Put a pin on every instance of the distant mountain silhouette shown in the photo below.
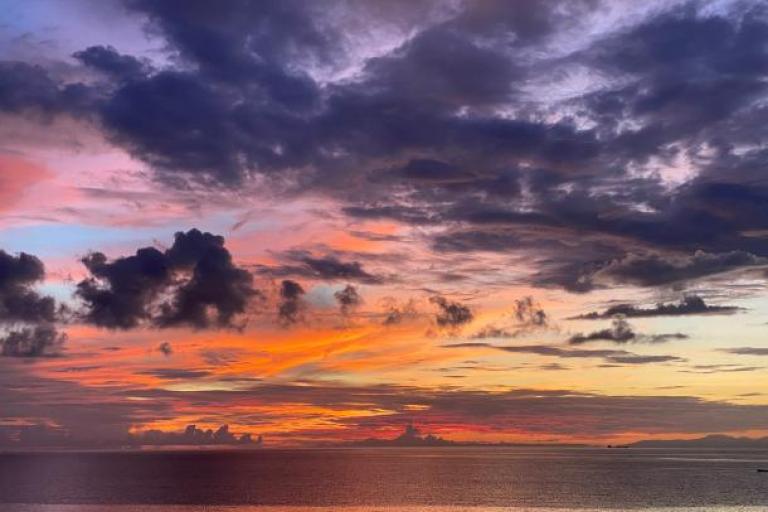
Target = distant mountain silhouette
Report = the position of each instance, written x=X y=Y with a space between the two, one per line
x=710 y=441
x=412 y=436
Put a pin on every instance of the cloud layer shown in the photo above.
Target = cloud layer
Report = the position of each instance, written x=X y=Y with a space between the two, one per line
x=479 y=214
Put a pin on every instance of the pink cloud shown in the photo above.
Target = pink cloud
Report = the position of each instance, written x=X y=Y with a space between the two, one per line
x=17 y=176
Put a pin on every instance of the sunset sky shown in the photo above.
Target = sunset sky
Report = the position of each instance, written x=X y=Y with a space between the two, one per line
x=536 y=221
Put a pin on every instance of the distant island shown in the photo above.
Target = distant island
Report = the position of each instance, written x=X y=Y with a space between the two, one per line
x=710 y=441
x=413 y=437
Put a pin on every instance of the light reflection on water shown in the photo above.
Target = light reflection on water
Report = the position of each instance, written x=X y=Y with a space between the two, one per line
x=357 y=480
x=267 y=508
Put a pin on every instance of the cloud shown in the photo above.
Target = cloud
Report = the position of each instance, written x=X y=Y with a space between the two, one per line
x=67 y=413
x=491 y=331
x=107 y=60
x=348 y=298
x=197 y=272
x=28 y=317
x=30 y=90
x=248 y=98
x=689 y=305
x=560 y=412
x=19 y=302
x=331 y=268
x=441 y=126
x=118 y=293
x=721 y=368
x=40 y=341
x=746 y=351
x=396 y=313
x=526 y=316
x=165 y=348
x=610 y=356
x=175 y=373
x=450 y=314
x=40 y=435
x=553 y=367
x=17 y=176
x=657 y=270
x=327 y=268
x=291 y=304
x=621 y=332
x=221 y=356
x=216 y=282
x=528 y=313
x=193 y=436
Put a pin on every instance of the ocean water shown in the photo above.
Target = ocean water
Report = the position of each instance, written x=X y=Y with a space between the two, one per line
x=416 y=479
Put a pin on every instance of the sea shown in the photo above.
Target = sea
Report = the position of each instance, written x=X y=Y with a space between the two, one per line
x=447 y=479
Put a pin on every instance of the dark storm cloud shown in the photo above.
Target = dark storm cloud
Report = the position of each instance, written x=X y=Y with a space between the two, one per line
x=197 y=272
x=243 y=41
x=19 y=302
x=405 y=214
x=216 y=282
x=27 y=316
x=695 y=69
x=562 y=260
x=291 y=304
x=119 y=292
x=656 y=270
x=257 y=111
x=430 y=171
x=683 y=89
x=348 y=299
x=460 y=70
x=451 y=314
x=442 y=130
x=522 y=23
x=30 y=90
x=248 y=97
x=107 y=60
x=327 y=268
x=147 y=131
x=621 y=332
x=689 y=305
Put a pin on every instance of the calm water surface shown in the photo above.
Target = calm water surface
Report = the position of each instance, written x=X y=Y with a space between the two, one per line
x=384 y=479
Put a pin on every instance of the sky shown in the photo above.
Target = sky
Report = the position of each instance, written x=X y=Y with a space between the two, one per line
x=319 y=222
